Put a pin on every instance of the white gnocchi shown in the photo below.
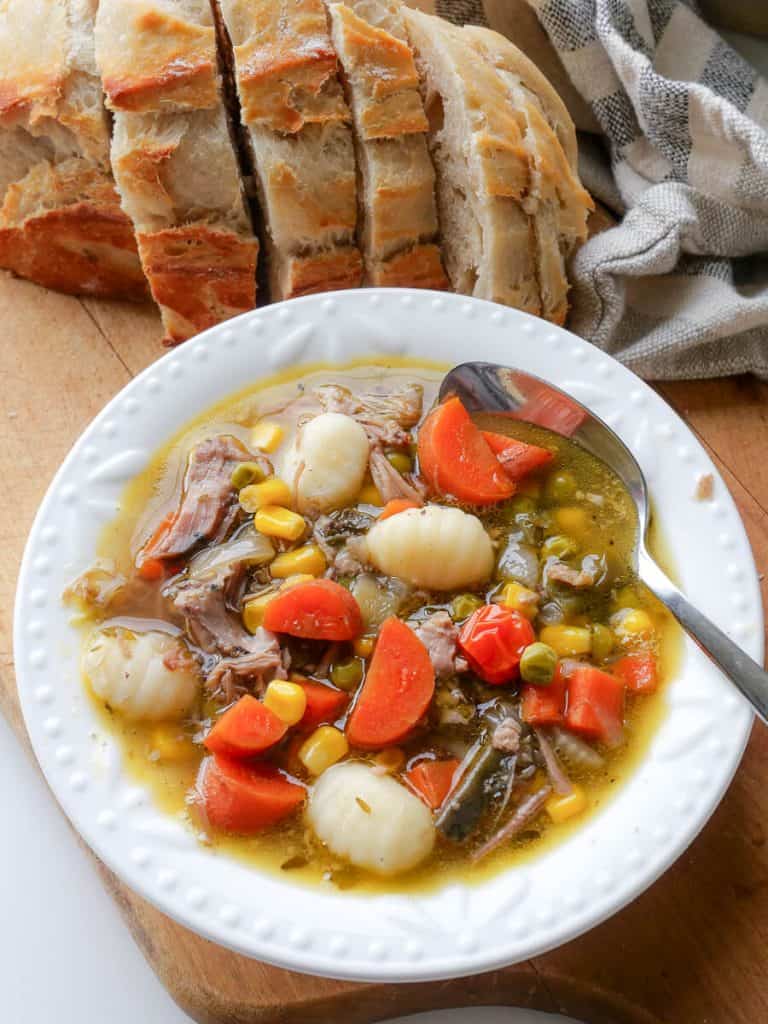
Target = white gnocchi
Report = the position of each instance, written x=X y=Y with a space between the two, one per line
x=327 y=462
x=148 y=676
x=434 y=547
x=369 y=819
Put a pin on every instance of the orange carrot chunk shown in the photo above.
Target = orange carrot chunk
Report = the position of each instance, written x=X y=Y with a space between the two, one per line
x=545 y=705
x=517 y=458
x=245 y=798
x=455 y=458
x=396 y=505
x=246 y=729
x=638 y=672
x=595 y=705
x=432 y=780
x=315 y=610
x=324 y=704
x=397 y=690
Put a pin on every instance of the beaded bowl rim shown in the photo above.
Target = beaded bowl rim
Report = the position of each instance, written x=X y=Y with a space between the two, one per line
x=461 y=928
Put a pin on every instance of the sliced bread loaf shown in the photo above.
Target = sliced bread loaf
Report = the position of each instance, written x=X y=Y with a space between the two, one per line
x=174 y=160
x=397 y=225
x=297 y=128
x=556 y=199
x=60 y=219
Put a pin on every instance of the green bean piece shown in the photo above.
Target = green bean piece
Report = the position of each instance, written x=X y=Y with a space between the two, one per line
x=246 y=473
x=347 y=674
x=561 y=486
x=464 y=605
x=602 y=641
x=400 y=461
x=559 y=546
x=538 y=664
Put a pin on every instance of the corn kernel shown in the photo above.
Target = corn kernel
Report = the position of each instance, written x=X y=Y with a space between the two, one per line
x=253 y=610
x=269 y=492
x=518 y=598
x=170 y=744
x=390 y=760
x=632 y=624
x=567 y=641
x=370 y=495
x=300 y=577
x=325 y=747
x=363 y=646
x=266 y=435
x=274 y=521
x=308 y=560
x=561 y=808
x=287 y=700
x=572 y=519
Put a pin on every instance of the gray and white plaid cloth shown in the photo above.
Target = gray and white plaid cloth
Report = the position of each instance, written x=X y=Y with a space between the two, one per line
x=679 y=288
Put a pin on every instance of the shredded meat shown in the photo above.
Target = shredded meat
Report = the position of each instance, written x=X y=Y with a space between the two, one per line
x=263 y=657
x=580 y=579
x=386 y=419
x=560 y=782
x=506 y=736
x=389 y=482
x=439 y=635
x=96 y=587
x=524 y=813
x=341 y=538
x=208 y=502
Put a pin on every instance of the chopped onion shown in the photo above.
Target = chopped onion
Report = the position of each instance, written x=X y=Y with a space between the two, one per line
x=247 y=546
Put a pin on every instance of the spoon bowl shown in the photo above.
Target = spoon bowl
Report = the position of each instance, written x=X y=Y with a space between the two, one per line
x=517 y=395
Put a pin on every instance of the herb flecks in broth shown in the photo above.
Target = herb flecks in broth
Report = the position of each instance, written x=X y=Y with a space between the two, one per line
x=328 y=606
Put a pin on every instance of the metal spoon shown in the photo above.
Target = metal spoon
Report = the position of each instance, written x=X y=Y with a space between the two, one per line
x=488 y=387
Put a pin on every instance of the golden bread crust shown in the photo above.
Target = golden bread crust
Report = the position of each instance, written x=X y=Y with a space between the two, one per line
x=329 y=271
x=418 y=267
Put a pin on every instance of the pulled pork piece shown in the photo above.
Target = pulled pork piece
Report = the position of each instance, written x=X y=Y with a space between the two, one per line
x=591 y=571
x=525 y=812
x=389 y=482
x=561 y=784
x=96 y=587
x=210 y=608
x=506 y=736
x=439 y=635
x=386 y=418
x=341 y=538
x=208 y=501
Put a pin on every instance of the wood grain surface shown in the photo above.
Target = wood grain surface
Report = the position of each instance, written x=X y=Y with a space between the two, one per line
x=690 y=950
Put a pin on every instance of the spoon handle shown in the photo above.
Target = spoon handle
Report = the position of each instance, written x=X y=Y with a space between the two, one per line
x=743 y=672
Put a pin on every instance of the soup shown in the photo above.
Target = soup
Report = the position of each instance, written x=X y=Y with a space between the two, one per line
x=355 y=636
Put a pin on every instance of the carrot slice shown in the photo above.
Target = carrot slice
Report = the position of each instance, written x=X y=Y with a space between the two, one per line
x=246 y=729
x=432 y=780
x=454 y=457
x=638 y=672
x=245 y=798
x=315 y=610
x=396 y=505
x=595 y=704
x=517 y=458
x=324 y=704
x=397 y=690
x=545 y=705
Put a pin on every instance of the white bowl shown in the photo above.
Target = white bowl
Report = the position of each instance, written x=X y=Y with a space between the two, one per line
x=459 y=929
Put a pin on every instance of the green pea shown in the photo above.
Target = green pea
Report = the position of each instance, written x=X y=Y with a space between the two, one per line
x=400 y=461
x=520 y=505
x=347 y=674
x=561 y=486
x=246 y=473
x=559 y=546
x=464 y=605
x=602 y=641
x=538 y=664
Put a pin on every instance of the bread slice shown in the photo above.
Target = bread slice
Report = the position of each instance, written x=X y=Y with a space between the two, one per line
x=174 y=160
x=557 y=201
x=60 y=219
x=300 y=144
x=397 y=211
x=483 y=168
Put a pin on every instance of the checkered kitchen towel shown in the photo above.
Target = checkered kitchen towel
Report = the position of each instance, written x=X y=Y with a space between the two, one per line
x=680 y=287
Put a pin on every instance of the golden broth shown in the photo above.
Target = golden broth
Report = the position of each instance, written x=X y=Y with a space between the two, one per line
x=165 y=759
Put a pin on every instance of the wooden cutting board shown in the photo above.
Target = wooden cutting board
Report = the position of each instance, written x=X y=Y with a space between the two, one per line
x=690 y=950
